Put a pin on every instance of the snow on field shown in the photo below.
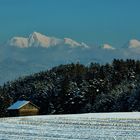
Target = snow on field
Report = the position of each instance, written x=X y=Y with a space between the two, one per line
x=92 y=126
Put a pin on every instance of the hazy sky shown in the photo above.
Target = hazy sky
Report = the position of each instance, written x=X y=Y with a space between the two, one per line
x=91 y=21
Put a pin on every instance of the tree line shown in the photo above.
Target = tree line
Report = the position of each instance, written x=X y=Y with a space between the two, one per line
x=76 y=88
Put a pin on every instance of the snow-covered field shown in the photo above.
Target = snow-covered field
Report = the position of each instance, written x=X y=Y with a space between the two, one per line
x=94 y=126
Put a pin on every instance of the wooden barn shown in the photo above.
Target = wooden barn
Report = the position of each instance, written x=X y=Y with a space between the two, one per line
x=23 y=108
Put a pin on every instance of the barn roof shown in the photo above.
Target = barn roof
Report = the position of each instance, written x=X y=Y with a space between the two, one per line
x=18 y=104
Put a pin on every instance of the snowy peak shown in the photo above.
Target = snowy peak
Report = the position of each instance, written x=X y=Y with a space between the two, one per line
x=39 y=40
x=38 y=37
x=134 y=44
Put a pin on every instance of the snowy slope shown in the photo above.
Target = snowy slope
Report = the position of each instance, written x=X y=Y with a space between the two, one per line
x=95 y=126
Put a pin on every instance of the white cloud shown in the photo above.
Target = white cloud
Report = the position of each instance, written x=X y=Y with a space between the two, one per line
x=134 y=43
x=20 y=42
x=107 y=46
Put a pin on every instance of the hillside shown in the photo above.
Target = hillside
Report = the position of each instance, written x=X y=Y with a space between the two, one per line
x=75 y=88
x=97 y=126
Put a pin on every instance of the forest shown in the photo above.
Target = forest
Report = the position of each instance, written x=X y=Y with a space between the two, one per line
x=76 y=88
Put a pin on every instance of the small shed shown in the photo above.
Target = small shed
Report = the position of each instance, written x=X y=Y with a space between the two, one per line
x=23 y=108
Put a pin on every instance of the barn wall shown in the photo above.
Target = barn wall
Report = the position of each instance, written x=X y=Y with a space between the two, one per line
x=29 y=106
x=27 y=112
x=28 y=109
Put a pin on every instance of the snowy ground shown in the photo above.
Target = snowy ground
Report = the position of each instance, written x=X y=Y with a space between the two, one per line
x=94 y=126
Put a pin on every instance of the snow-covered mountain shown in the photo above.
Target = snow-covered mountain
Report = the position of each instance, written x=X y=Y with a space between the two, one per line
x=39 y=40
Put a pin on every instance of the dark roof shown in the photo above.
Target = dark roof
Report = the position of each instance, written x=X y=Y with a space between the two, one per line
x=18 y=104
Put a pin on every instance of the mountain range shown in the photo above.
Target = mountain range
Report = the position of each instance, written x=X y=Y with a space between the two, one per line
x=21 y=56
x=38 y=40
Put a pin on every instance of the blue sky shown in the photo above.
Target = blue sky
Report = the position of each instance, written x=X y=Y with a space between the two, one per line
x=91 y=21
